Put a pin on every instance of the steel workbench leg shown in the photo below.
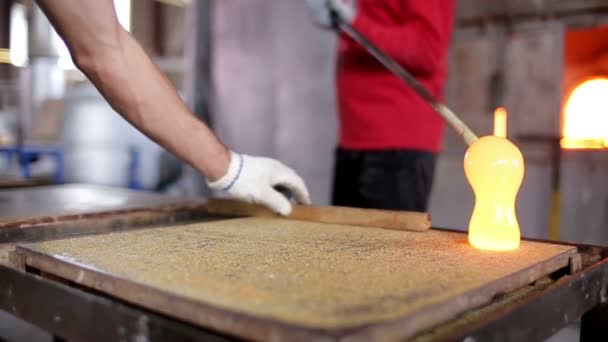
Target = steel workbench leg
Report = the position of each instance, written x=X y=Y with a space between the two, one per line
x=594 y=325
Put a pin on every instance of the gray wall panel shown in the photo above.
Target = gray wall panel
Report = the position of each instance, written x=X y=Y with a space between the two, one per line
x=273 y=73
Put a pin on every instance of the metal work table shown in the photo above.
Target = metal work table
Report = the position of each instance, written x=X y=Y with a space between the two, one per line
x=73 y=199
x=51 y=211
x=69 y=311
x=530 y=314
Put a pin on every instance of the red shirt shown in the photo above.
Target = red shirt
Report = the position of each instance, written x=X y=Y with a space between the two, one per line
x=377 y=109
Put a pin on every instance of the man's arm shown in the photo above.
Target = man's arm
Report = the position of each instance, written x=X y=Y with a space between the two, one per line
x=116 y=64
x=119 y=68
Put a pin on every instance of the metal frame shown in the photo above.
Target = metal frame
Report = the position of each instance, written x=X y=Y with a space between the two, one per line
x=70 y=311
x=539 y=311
x=533 y=313
x=479 y=12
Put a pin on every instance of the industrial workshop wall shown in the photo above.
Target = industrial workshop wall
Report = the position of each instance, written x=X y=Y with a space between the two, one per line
x=273 y=77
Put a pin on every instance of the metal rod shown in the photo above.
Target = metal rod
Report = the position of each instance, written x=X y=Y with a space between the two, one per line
x=458 y=125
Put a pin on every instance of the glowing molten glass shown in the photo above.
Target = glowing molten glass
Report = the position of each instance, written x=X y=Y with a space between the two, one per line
x=500 y=122
x=495 y=169
x=586 y=116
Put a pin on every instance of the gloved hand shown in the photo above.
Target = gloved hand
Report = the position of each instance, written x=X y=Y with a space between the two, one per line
x=321 y=11
x=252 y=179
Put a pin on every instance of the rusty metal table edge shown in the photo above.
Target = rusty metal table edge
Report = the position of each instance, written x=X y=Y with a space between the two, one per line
x=64 y=226
x=71 y=313
x=543 y=311
x=534 y=317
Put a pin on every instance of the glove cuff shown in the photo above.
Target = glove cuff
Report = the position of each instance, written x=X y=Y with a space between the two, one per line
x=234 y=171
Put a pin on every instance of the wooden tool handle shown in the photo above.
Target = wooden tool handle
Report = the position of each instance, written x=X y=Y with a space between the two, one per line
x=457 y=124
x=400 y=220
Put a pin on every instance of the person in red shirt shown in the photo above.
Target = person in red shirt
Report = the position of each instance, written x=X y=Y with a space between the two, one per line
x=389 y=137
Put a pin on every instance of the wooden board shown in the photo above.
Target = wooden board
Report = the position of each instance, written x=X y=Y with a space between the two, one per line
x=266 y=279
x=373 y=218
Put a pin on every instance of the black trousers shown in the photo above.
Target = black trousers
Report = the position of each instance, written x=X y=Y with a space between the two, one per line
x=387 y=179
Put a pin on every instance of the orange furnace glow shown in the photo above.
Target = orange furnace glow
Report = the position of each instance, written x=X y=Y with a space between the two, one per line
x=494 y=168
x=586 y=116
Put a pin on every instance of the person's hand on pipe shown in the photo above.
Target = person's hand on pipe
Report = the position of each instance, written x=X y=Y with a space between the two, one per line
x=321 y=11
x=255 y=180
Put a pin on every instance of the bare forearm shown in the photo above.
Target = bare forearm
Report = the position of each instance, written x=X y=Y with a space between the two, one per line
x=136 y=89
x=149 y=101
x=132 y=84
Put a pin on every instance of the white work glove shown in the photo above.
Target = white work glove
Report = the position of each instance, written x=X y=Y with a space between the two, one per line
x=321 y=11
x=252 y=179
